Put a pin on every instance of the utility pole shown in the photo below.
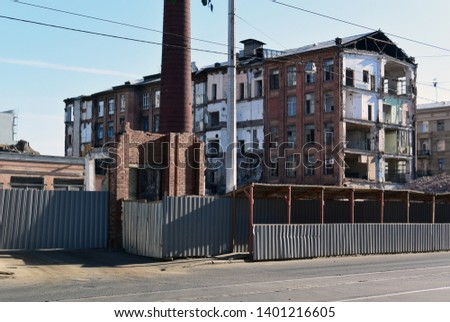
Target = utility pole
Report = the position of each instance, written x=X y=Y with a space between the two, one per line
x=231 y=152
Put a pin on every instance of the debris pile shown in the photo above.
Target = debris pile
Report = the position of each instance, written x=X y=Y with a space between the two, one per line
x=438 y=184
x=21 y=146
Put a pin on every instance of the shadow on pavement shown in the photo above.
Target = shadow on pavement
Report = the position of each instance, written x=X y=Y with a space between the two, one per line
x=102 y=258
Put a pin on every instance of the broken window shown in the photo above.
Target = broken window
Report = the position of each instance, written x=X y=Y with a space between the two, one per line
x=145 y=101
x=328 y=102
x=100 y=131
x=365 y=76
x=328 y=168
x=372 y=83
x=291 y=166
x=328 y=69
x=145 y=123
x=349 y=77
x=213 y=147
x=157 y=99
x=214 y=119
x=27 y=183
x=101 y=108
x=329 y=133
x=291 y=76
x=309 y=103
x=123 y=103
x=111 y=106
x=309 y=164
x=273 y=137
x=68 y=184
x=310 y=75
x=274 y=169
x=110 y=129
x=274 y=79
x=369 y=112
x=401 y=86
x=214 y=92
x=69 y=113
x=291 y=106
x=258 y=88
x=309 y=133
x=155 y=125
x=241 y=91
x=291 y=135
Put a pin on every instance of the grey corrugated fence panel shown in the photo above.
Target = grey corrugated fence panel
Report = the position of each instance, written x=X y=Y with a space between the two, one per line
x=36 y=219
x=142 y=228
x=196 y=226
x=273 y=242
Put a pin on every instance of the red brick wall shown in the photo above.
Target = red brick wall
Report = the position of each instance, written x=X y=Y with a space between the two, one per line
x=180 y=155
x=275 y=111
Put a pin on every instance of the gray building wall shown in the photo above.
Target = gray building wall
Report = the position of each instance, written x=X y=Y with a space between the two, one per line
x=7 y=127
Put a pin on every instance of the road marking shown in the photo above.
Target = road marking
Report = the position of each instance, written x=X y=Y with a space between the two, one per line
x=262 y=283
x=395 y=294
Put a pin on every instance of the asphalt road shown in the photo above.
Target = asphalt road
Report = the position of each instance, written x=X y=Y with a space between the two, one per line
x=101 y=275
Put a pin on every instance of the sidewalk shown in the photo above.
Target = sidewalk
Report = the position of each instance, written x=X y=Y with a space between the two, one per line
x=69 y=264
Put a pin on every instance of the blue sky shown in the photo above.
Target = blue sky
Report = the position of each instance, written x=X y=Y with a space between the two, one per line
x=41 y=66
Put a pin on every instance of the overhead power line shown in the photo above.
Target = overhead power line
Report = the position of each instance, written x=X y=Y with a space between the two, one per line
x=357 y=25
x=108 y=35
x=112 y=21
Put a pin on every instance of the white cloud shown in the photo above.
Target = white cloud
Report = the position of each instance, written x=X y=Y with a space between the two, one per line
x=41 y=64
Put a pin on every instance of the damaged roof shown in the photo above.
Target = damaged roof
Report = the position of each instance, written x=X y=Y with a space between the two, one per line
x=375 y=41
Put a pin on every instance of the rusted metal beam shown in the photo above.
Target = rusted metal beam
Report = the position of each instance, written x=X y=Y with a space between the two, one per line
x=433 y=209
x=322 y=206
x=288 y=199
x=382 y=206
x=408 y=207
x=289 y=204
x=352 y=206
x=251 y=204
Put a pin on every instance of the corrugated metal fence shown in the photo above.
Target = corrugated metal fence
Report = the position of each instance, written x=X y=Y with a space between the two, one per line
x=190 y=226
x=186 y=226
x=274 y=242
x=36 y=219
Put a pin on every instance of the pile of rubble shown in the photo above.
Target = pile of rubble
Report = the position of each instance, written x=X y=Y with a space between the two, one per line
x=438 y=184
x=22 y=146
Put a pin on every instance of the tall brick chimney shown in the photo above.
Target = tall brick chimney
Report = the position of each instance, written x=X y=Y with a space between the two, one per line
x=176 y=92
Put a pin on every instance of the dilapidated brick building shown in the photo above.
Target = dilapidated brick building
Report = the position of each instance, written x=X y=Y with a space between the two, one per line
x=148 y=166
x=341 y=112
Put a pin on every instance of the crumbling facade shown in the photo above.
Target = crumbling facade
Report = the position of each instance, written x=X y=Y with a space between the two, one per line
x=148 y=166
x=341 y=112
